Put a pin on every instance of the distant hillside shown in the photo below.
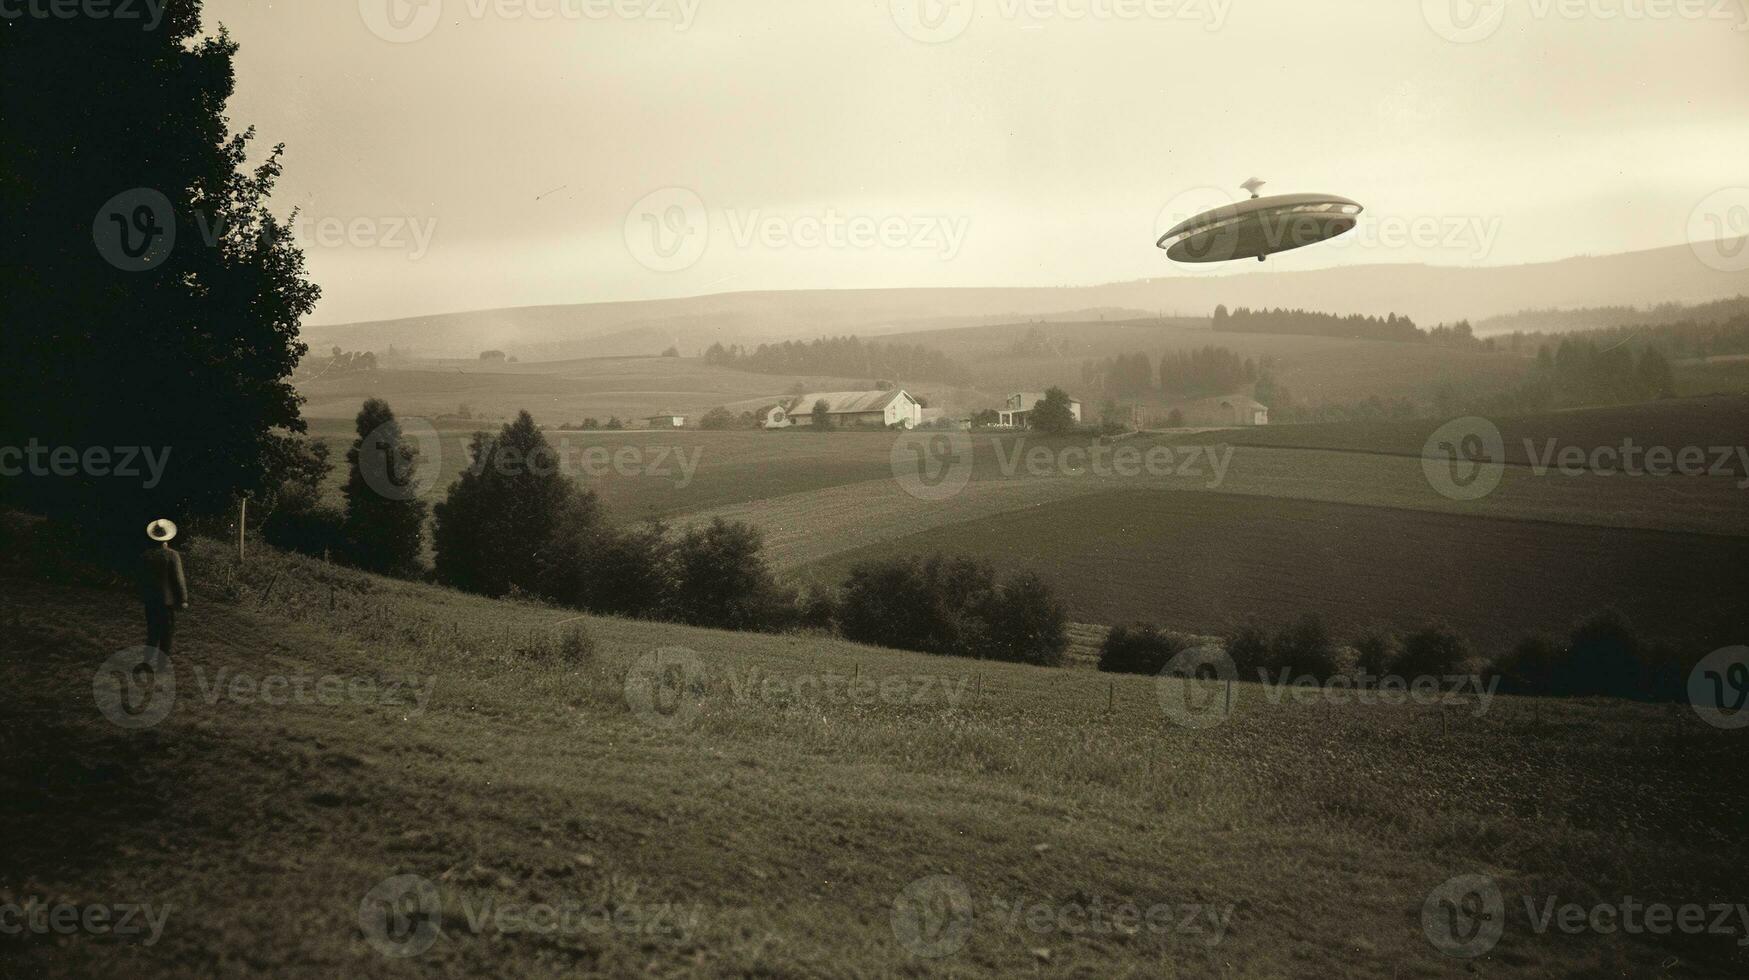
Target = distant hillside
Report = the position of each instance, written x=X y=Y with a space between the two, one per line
x=1595 y=318
x=1428 y=294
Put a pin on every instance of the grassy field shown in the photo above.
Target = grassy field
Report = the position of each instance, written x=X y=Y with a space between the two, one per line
x=1703 y=421
x=1205 y=562
x=748 y=828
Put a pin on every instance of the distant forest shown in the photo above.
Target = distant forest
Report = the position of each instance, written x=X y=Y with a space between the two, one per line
x=1181 y=374
x=1354 y=326
x=848 y=357
x=1608 y=317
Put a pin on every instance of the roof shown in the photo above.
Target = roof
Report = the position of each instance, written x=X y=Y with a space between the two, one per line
x=844 y=402
x=1222 y=401
x=665 y=415
x=1034 y=397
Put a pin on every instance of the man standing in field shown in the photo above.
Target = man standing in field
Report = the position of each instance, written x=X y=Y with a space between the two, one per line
x=163 y=588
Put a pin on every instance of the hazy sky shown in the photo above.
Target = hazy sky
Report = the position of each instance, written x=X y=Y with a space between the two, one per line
x=462 y=154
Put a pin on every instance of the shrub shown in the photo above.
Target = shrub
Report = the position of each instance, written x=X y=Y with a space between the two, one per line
x=1024 y=623
x=1052 y=415
x=1434 y=650
x=1605 y=655
x=1249 y=650
x=628 y=572
x=577 y=646
x=1375 y=650
x=1531 y=666
x=1304 y=648
x=721 y=580
x=318 y=531
x=717 y=418
x=1139 y=649
x=817 y=609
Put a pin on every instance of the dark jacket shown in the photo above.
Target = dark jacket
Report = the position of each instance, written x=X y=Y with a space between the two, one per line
x=161 y=581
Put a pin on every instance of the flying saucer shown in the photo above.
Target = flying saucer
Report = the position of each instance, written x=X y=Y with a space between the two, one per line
x=1260 y=227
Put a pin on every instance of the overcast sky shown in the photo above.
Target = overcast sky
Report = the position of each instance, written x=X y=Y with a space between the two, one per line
x=466 y=154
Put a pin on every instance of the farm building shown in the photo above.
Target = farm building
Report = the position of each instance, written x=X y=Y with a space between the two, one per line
x=1221 y=410
x=1020 y=404
x=666 y=421
x=849 y=409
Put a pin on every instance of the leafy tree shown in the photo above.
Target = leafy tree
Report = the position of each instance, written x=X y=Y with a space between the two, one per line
x=1434 y=650
x=1303 y=648
x=628 y=572
x=385 y=520
x=1248 y=648
x=1052 y=415
x=1139 y=649
x=717 y=418
x=721 y=579
x=116 y=134
x=822 y=415
x=1024 y=623
x=614 y=424
x=1376 y=650
x=1605 y=656
x=512 y=519
x=671 y=352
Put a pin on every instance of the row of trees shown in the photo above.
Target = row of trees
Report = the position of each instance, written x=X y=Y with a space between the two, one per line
x=1602 y=655
x=1310 y=322
x=1208 y=370
x=513 y=524
x=842 y=357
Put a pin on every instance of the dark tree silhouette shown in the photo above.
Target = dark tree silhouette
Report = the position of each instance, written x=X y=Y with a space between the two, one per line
x=385 y=519
x=140 y=260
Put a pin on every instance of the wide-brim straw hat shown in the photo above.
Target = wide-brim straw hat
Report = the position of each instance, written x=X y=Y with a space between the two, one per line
x=162 y=529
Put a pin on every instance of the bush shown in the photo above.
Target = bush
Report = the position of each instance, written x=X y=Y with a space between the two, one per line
x=1604 y=656
x=817 y=609
x=1434 y=650
x=1304 y=648
x=1024 y=623
x=318 y=531
x=952 y=606
x=1531 y=666
x=1052 y=415
x=717 y=419
x=1249 y=650
x=721 y=580
x=1139 y=649
x=1375 y=650
x=628 y=572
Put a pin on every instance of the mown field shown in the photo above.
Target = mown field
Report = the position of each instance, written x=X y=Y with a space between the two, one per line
x=739 y=828
x=1207 y=562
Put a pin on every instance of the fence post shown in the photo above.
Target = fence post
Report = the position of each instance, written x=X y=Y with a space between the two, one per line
x=1110 y=696
x=1229 y=709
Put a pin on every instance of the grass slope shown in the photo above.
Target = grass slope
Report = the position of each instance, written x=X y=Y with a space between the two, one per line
x=781 y=827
